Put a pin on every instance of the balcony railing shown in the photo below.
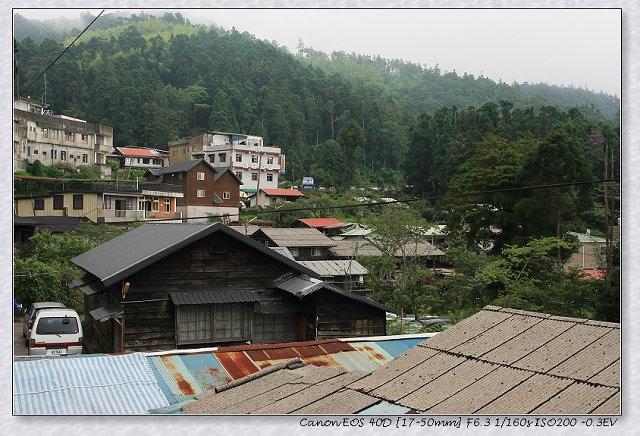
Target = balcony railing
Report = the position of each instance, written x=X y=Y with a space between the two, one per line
x=34 y=186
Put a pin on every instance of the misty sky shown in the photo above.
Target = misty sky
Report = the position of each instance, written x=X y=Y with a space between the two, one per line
x=578 y=47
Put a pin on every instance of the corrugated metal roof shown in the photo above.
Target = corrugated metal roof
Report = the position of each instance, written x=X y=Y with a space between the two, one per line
x=214 y=297
x=335 y=268
x=301 y=286
x=297 y=237
x=105 y=312
x=319 y=222
x=86 y=385
x=283 y=192
x=122 y=256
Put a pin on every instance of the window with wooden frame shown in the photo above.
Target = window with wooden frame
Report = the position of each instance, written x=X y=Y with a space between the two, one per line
x=78 y=201
x=368 y=327
x=200 y=175
x=155 y=204
x=226 y=195
x=203 y=323
x=58 y=202
x=200 y=193
x=167 y=205
x=316 y=251
x=38 y=204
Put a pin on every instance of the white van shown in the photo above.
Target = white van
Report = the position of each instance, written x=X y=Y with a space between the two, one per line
x=56 y=332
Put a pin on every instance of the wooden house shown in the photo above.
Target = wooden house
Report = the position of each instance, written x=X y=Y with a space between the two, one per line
x=303 y=243
x=168 y=286
x=207 y=191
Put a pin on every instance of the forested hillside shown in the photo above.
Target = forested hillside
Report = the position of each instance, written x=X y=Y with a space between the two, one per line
x=155 y=79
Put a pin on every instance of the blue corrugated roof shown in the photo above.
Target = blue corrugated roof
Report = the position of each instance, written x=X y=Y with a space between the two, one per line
x=398 y=346
x=103 y=385
x=384 y=408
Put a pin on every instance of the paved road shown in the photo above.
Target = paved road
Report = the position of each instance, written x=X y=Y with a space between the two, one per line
x=18 y=340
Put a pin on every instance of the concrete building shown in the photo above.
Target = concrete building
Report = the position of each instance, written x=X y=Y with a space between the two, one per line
x=256 y=165
x=58 y=140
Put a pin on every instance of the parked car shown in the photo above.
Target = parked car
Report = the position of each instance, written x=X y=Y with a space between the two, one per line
x=56 y=332
x=30 y=316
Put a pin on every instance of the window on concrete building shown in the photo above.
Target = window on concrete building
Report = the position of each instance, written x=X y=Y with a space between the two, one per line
x=63 y=155
x=85 y=157
x=254 y=176
x=78 y=202
x=70 y=136
x=254 y=158
x=239 y=174
x=54 y=134
x=269 y=177
x=58 y=202
x=238 y=157
x=85 y=138
x=222 y=157
x=44 y=132
x=35 y=151
x=269 y=160
x=212 y=158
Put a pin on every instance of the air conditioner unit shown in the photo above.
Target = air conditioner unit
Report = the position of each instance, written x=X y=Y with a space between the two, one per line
x=245 y=165
x=270 y=167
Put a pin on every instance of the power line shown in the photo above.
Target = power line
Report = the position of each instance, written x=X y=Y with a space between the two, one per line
x=411 y=200
x=59 y=56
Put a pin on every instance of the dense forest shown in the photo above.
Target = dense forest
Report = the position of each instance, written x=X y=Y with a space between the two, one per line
x=156 y=79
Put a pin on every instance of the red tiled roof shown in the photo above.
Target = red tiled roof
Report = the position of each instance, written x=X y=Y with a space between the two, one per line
x=136 y=152
x=283 y=192
x=320 y=222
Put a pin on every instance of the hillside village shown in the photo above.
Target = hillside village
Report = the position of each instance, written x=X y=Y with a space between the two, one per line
x=228 y=273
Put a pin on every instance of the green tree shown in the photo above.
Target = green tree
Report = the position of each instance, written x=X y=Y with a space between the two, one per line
x=352 y=140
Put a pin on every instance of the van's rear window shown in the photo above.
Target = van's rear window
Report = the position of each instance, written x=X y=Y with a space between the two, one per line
x=57 y=326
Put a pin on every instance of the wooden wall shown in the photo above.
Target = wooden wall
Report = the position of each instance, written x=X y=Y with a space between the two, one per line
x=150 y=325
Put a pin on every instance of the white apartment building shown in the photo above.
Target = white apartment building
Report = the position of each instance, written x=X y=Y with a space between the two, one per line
x=256 y=165
x=58 y=140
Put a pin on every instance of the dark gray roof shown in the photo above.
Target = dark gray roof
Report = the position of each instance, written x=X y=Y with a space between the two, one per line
x=129 y=253
x=302 y=285
x=214 y=297
x=55 y=224
x=105 y=312
x=335 y=267
x=184 y=166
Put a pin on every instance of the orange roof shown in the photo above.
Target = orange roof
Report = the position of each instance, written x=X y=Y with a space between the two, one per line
x=283 y=192
x=596 y=274
x=320 y=222
x=137 y=152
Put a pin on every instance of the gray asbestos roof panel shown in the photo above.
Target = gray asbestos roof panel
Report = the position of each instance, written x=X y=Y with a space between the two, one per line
x=610 y=407
x=309 y=395
x=466 y=330
x=483 y=391
x=421 y=375
x=526 y=342
x=496 y=336
x=577 y=399
x=394 y=369
x=528 y=395
x=561 y=348
x=294 y=237
x=610 y=376
x=335 y=268
x=582 y=366
x=342 y=402
x=448 y=383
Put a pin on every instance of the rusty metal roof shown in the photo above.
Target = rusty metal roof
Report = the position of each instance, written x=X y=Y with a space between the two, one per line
x=499 y=361
x=183 y=375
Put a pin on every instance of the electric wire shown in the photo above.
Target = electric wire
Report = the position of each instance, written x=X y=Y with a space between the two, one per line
x=56 y=59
